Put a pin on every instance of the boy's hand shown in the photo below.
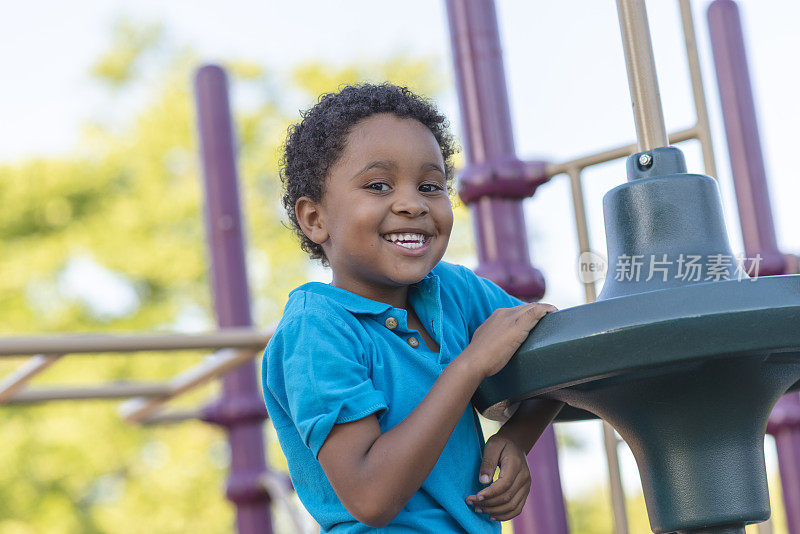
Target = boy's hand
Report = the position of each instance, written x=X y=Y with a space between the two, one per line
x=505 y=497
x=499 y=337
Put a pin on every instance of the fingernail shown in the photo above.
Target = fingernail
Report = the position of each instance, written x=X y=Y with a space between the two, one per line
x=484 y=479
x=493 y=519
x=479 y=510
x=479 y=497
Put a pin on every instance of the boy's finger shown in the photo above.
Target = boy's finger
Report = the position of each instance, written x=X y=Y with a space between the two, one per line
x=491 y=458
x=538 y=310
x=510 y=468
x=497 y=496
x=499 y=487
x=543 y=306
x=509 y=515
x=508 y=510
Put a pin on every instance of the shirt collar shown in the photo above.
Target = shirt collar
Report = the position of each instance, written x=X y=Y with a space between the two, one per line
x=358 y=304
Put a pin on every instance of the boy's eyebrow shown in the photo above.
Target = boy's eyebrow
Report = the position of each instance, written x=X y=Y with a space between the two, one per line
x=380 y=164
x=432 y=167
x=390 y=165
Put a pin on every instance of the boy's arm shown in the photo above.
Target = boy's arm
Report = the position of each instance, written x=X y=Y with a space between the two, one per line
x=529 y=421
x=376 y=474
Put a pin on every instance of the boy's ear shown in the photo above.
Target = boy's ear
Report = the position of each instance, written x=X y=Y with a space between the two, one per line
x=311 y=220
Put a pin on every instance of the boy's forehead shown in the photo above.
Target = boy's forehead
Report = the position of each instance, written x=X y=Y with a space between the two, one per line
x=388 y=133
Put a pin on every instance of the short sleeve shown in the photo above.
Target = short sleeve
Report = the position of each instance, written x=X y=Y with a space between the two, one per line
x=484 y=298
x=315 y=368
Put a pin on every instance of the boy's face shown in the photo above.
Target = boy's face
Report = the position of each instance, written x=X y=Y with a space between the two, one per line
x=388 y=183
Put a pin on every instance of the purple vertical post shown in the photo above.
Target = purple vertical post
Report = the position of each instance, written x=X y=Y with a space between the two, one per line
x=493 y=184
x=741 y=128
x=241 y=409
x=755 y=215
x=783 y=424
x=489 y=145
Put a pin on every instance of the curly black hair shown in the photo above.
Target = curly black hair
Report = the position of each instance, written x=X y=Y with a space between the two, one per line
x=315 y=143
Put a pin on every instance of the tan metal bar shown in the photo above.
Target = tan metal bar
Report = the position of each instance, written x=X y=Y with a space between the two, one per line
x=280 y=489
x=136 y=410
x=610 y=444
x=579 y=208
x=698 y=92
x=609 y=437
x=106 y=391
x=611 y=154
x=642 y=80
x=18 y=378
x=175 y=416
x=70 y=344
x=765 y=527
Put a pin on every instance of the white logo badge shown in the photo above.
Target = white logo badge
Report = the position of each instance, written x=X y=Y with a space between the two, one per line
x=591 y=267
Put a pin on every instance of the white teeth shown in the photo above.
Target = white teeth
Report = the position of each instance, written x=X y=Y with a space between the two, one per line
x=409 y=241
x=404 y=237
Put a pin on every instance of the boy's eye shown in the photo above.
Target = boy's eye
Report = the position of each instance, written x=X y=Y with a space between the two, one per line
x=432 y=188
x=378 y=186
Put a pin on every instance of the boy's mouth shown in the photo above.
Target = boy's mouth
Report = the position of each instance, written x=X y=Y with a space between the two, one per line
x=409 y=241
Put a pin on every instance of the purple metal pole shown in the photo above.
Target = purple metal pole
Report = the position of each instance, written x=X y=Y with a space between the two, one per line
x=493 y=184
x=544 y=510
x=491 y=159
x=783 y=424
x=755 y=215
x=241 y=409
x=744 y=145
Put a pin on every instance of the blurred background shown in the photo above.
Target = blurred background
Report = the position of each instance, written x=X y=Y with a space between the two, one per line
x=101 y=203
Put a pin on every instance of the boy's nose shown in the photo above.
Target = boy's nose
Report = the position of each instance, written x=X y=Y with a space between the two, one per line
x=410 y=205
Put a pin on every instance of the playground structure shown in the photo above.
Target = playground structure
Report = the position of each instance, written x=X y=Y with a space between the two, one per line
x=493 y=184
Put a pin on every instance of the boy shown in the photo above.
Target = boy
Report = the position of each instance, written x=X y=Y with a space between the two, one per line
x=368 y=379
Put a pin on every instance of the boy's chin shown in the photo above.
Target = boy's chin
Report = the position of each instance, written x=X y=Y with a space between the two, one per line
x=411 y=272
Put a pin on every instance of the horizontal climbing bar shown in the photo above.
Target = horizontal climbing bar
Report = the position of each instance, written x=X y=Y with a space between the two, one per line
x=604 y=156
x=104 y=391
x=234 y=338
x=137 y=410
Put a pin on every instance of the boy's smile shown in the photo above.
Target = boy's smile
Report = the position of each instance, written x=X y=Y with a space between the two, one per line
x=385 y=217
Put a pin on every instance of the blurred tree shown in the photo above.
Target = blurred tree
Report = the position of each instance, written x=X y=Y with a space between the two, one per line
x=590 y=513
x=125 y=210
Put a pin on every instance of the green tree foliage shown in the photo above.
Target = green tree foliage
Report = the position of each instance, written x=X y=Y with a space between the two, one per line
x=128 y=201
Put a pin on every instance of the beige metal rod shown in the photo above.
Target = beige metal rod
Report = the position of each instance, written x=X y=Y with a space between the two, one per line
x=611 y=154
x=70 y=344
x=171 y=417
x=609 y=437
x=17 y=379
x=579 y=208
x=610 y=444
x=645 y=97
x=105 y=391
x=765 y=527
x=137 y=410
x=280 y=489
x=698 y=92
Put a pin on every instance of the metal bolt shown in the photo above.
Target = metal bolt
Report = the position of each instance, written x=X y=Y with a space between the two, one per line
x=645 y=160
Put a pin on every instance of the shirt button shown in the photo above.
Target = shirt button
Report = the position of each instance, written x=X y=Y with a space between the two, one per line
x=413 y=342
x=391 y=323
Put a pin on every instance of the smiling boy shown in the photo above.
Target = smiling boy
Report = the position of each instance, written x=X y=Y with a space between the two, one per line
x=368 y=379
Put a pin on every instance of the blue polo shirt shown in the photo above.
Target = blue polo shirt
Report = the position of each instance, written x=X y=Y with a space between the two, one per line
x=337 y=357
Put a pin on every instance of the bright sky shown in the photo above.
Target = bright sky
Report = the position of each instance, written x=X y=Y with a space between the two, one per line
x=565 y=73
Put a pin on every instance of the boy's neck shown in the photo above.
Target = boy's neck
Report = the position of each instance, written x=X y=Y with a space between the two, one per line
x=396 y=297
